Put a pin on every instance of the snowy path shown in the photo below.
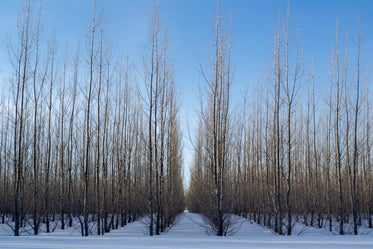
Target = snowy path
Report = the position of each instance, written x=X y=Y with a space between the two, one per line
x=187 y=233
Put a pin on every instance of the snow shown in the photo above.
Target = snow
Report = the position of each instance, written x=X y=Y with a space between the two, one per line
x=187 y=233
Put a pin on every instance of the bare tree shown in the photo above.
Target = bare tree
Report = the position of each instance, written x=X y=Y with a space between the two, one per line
x=52 y=54
x=291 y=87
x=151 y=84
x=20 y=64
x=337 y=79
x=355 y=150
x=87 y=139
x=37 y=90
x=216 y=124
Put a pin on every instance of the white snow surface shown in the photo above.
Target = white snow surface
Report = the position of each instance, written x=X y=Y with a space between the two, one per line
x=187 y=233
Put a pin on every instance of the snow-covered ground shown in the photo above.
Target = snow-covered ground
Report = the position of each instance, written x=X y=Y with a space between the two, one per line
x=187 y=233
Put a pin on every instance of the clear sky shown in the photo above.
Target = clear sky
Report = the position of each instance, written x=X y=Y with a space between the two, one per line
x=189 y=25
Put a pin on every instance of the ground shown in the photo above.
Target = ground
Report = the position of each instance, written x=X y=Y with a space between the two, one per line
x=188 y=233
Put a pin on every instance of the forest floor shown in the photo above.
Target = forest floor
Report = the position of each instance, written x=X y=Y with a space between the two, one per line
x=188 y=233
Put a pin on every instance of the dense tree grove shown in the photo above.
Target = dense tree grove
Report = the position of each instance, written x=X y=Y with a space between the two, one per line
x=88 y=138
x=74 y=135
x=298 y=151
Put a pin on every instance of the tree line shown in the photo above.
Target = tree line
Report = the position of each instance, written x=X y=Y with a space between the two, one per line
x=298 y=150
x=86 y=138
x=80 y=140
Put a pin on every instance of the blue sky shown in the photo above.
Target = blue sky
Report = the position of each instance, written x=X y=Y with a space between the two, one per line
x=189 y=27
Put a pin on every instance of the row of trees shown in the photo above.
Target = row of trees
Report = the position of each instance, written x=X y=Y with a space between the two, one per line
x=299 y=150
x=77 y=141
